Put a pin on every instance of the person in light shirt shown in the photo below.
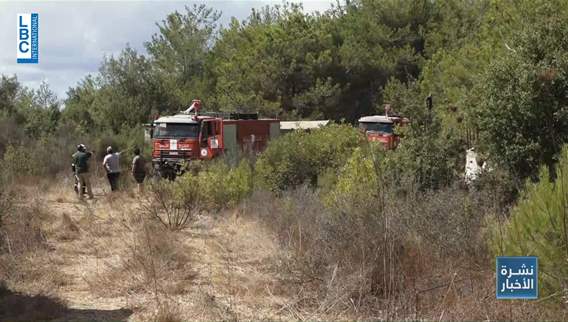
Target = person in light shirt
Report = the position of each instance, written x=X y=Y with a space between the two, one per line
x=111 y=163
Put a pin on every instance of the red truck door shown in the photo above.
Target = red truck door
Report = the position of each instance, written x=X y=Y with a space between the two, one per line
x=211 y=138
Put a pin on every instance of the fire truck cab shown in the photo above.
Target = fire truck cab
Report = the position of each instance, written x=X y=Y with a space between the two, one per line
x=380 y=128
x=185 y=137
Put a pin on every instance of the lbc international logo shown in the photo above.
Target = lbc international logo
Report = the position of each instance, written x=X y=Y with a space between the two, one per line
x=28 y=41
x=517 y=277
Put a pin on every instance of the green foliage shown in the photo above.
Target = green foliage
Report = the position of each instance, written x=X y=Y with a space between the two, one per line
x=10 y=133
x=5 y=197
x=223 y=187
x=332 y=65
x=524 y=111
x=301 y=157
x=430 y=154
x=179 y=54
x=174 y=203
x=503 y=187
x=356 y=190
x=36 y=158
x=9 y=88
x=81 y=104
x=538 y=227
x=428 y=158
x=20 y=161
x=122 y=95
x=35 y=111
x=125 y=141
x=483 y=74
x=40 y=109
x=131 y=87
x=463 y=39
x=184 y=191
x=214 y=187
x=270 y=63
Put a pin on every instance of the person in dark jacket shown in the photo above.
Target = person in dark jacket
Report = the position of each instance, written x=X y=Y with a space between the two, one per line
x=76 y=184
x=81 y=162
x=139 y=169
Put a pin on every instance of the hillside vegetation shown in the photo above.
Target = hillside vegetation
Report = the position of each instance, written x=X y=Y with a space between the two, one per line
x=321 y=225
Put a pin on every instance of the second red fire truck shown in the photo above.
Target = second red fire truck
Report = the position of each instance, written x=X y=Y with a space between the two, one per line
x=380 y=128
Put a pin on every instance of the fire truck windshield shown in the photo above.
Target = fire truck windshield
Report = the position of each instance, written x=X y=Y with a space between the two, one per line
x=377 y=127
x=176 y=130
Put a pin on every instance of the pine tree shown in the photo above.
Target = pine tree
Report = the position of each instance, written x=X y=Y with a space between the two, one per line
x=538 y=226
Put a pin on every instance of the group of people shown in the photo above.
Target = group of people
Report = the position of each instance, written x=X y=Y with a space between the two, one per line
x=111 y=164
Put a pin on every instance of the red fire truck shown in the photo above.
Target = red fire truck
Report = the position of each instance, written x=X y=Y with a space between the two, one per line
x=189 y=136
x=380 y=128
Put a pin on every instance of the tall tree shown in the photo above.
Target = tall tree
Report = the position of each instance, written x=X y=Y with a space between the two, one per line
x=524 y=108
x=9 y=88
x=179 y=53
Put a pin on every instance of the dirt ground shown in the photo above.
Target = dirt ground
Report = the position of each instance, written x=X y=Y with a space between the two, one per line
x=230 y=273
x=98 y=260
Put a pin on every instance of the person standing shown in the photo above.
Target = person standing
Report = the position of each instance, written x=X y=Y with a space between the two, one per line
x=139 y=170
x=111 y=163
x=81 y=162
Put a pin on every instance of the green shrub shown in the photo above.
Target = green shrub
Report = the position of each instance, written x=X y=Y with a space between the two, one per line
x=428 y=156
x=222 y=186
x=357 y=185
x=366 y=190
x=239 y=183
x=44 y=156
x=301 y=157
x=538 y=226
x=174 y=203
x=214 y=187
x=126 y=140
x=526 y=90
x=20 y=161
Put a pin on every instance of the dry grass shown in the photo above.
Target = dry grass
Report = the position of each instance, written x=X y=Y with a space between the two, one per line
x=168 y=312
x=68 y=228
x=271 y=258
x=422 y=258
x=26 y=264
x=106 y=254
x=150 y=259
x=22 y=228
x=172 y=204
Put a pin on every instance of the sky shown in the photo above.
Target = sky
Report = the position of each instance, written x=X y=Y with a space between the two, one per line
x=75 y=36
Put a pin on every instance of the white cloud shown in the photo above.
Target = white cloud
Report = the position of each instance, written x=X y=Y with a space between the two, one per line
x=75 y=36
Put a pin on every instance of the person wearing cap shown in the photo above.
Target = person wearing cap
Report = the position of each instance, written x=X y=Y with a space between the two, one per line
x=111 y=163
x=139 y=170
x=81 y=165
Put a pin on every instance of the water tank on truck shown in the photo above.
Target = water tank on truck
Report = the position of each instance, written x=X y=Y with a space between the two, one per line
x=190 y=135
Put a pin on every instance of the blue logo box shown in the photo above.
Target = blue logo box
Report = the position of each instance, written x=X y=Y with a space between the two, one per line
x=28 y=38
x=517 y=277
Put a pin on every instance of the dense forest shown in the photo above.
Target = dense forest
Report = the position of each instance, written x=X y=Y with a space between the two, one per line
x=489 y=66
x=497 y=73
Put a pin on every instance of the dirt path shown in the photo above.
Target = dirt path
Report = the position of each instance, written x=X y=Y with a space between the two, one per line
x=232 y=264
